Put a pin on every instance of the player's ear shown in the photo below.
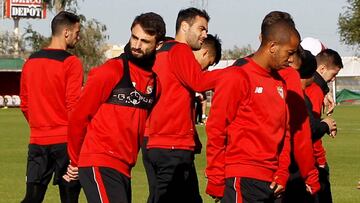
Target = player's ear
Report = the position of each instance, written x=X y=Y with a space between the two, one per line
x=159 y=44
x=184 y=26
x=321 y=68
x=273 y=46
x=260 y=38
x=205 y=52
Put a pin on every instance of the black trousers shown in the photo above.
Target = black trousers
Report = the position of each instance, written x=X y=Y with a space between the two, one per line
x=198 y=111
x=324 y=195
x=295 y=191
x=176 y=179
x=150 y=171
x=105 y=185
x=247 y=190
x=43 y=162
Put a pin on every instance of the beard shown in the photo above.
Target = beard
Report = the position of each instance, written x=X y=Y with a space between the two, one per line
x=193 y=41
x=145 y=60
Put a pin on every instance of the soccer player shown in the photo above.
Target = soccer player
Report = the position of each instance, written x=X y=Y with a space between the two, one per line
x=51 y=82
x=329 y=64
x=208 y=55
x=108 y=122
x=303 y=179
x=172 y=141
x=248 y=147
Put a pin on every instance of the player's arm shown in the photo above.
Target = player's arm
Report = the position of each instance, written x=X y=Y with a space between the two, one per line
x=223 y=110
x=282 y=174
x=100 y=83
x=188 y=70
x=24 y=93
x=74 y=79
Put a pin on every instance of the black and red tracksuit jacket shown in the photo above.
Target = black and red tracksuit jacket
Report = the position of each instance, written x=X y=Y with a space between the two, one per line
x=105 y=134
x=300 y=129
x=50 y=85
x=171 y=122
x=316 y=93
x=247 y=128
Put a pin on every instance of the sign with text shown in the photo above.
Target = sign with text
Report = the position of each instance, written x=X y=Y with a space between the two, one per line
x=25 y=9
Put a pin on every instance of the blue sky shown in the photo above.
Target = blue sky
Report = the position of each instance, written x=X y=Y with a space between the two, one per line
x=237 y=22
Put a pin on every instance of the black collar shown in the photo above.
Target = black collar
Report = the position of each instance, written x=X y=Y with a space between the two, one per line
x=318 y=79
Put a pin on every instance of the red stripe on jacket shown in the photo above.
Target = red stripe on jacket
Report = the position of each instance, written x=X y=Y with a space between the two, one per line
x=49 y=89
x=108 y=135
x=247 y=128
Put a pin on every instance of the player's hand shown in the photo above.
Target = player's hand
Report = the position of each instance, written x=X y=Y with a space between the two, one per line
x=66 y=178
x=332 y=126
x=72 y=172
x=278 y=189
x=216 y=199
x=329 y=103
x=308 y=189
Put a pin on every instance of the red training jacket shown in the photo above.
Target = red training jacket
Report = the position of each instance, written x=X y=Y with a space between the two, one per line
x=51 y=81
x=170 y=123
x=103 y=134
x=247 y=128
x=300 y=128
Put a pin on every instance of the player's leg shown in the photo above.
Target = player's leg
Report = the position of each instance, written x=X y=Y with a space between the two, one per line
x=69 y=191
x=38 y=173
x=247 y=190
x=172 y=168
x=105 y=185
x=150 y=171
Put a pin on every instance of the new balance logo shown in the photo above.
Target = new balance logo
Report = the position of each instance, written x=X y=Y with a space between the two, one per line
x=259 y=90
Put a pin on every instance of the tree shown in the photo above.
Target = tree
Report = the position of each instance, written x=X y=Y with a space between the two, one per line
x=349 y=24
x=90 y=49
x=7 y=45
x=237 y=52
x=60 y=5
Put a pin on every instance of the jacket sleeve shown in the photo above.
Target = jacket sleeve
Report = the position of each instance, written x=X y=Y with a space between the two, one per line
x=188 y=70
x=98 y=87
x=74 y=80
x=301 y=135
x=223 y=111
x=24 y=93
x=282 y=174
x=316 y=98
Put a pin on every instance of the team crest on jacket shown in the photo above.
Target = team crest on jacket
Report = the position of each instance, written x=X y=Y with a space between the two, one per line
x=280 y=91
x=149 y=89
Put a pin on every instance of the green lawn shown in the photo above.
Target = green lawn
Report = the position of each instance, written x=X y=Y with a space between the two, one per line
x=343 y=155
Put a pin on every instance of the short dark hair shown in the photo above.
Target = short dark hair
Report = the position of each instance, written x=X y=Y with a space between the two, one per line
x=329 y=57
x=152 y=23
x=308 y=63
x=61 y=20
x=213 y=43
x=188 y=15
x=274 y=23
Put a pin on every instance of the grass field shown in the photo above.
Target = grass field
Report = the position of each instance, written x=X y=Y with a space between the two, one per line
x=343 y=155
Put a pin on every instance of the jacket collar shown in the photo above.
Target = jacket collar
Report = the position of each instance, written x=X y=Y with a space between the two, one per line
x=319 y=80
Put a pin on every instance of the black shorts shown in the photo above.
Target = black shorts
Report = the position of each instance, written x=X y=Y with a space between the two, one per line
x=44 y=160
x=103 y=184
